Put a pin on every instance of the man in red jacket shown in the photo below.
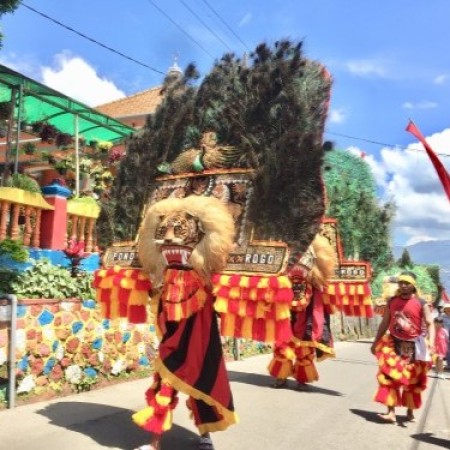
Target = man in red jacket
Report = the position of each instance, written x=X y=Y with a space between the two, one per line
x=403 y=353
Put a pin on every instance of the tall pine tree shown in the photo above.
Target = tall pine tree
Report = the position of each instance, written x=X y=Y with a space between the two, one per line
x=364 y=223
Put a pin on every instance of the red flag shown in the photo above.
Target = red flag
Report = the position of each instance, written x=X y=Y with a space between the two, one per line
x=440 y=169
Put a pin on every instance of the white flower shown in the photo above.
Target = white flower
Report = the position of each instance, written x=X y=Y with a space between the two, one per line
x=26 y=385
x=48 y=333
x=59 y=353
x=20 y=340
x=117 y=367
x=74 y=374
x=66 y=306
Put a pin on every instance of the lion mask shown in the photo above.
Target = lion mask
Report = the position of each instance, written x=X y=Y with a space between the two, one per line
x=192 y=231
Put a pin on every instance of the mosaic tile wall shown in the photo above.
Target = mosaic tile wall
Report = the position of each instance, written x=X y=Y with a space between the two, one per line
x=68 y=342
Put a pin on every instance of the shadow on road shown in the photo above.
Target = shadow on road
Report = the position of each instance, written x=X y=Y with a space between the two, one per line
x=430 y=439
x=267 y=381
x=110 y=426
x=370 y=416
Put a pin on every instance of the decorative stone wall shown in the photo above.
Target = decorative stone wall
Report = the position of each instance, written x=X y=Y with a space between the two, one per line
x=61 y=343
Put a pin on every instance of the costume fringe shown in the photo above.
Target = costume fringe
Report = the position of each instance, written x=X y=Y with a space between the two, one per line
x=183 y=294
x=254 y=307
x=162 y=400
x=122 y=292
x=228 y=417
x=305 y=370
x=400 y=381
x=352 y=298
x=296 y=359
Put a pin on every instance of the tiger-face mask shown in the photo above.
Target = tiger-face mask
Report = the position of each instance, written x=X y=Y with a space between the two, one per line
x=177 y=235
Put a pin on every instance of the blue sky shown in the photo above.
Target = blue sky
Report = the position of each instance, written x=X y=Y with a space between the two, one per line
x=387 y=59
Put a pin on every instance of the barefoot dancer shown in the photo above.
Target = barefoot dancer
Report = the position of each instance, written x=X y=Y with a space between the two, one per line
x=401 y=350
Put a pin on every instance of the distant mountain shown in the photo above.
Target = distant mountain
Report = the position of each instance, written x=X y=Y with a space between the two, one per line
x=430 y=252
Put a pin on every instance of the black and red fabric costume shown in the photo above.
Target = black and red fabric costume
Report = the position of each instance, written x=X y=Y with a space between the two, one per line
x=190 y=358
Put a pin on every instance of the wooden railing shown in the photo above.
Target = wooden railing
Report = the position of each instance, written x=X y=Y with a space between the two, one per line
x=81 y=219
x=20 y=215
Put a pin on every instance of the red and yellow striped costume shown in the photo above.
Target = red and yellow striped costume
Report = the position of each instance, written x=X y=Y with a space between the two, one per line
x=401 y=381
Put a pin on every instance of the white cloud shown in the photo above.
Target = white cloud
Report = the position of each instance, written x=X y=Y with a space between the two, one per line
x=378 y=170
x=440 y=79
x=74 y=77
x=70 y=74
x=367 y=67
x=408 y=176
x=337 y=115
x=245 y=20
x=25 y=65
x=420 y=105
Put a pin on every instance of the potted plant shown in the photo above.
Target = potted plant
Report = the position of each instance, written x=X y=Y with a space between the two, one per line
x=63 y=140
x=62 y=166
x=48 y=133
x=29 y=148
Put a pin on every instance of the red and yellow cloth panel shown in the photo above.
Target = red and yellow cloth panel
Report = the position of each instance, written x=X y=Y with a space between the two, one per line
x=254 y=307
x=352 y=298
x=122 y=292
x=400 y=381
x=184 y=293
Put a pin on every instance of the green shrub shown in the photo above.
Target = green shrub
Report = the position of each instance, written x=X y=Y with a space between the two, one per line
x=23 y=182
x=7 y=276
x=44 y=280
x=14 y=249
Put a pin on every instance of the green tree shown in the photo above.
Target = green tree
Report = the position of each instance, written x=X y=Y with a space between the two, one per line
x=405 y=260
x=7 y=6
x=426 y=285
x=364 y=223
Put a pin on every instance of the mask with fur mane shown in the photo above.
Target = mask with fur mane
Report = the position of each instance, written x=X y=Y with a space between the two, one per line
x=203 y=239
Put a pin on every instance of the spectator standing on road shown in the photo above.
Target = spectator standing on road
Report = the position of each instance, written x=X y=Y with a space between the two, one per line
x=441 y=345
x=402 y=350
x=446 y=324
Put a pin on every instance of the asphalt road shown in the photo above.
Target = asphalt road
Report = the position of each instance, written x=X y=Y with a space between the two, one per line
x=336 y=413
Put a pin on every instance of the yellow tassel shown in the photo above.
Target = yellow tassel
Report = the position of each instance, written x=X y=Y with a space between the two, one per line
x=242 y=308
x=244 y=282
x=105 y=283
x=263 y=283
x=167 y=425
x=138 y=298
x=282 y=311
x=235 y=292
x=228 y=325
x=141 y=417
x=114 y=302
x=221 y=305
x=270 y=331
x=247 y=327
